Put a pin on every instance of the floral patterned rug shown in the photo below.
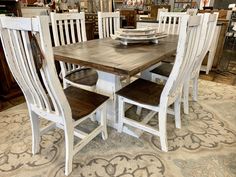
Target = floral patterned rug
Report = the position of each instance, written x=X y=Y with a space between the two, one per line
x=205 y=146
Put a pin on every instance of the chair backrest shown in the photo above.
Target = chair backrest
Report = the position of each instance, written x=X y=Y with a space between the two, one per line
x=190 y=31
x=35 y=75
x=209 y=29
x=169 y=22
x=68 y=28
x=108 y=23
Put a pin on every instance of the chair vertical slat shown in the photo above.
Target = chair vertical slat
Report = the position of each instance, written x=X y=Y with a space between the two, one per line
x=78 y=30
x=174 y=25
x=67 y=32
x=69 y=66
x=169 y=25
x=61 y=32
x=16 y=38
x=83 y=29
x=12 y=65
x=164 y=24
x=17 y=66
x=110 y=25
x=107 y=26
x=55 y=33
x=72 y=30
x=179 y=21
x=29 y=57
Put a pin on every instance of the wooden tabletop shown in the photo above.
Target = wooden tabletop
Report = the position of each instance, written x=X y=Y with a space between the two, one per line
x=109 y=55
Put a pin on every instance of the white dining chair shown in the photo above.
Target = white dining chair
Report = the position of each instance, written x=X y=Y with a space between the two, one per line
x=108 y=23
x=156 y=97
x=69 y=28
x=31 y=62
x=162 y=72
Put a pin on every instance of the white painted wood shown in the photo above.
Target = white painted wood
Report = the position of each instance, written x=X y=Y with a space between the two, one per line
x=190 y=28
x=212 y=51
x=108 y=84
x=108 y=23
x=45 y=98
x=63 y=26
x=169 y=22
x=210 y=38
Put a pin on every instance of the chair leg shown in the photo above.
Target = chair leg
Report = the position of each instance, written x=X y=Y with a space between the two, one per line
x=69 y=144
x=104 y=123
x=177 y=106
x=35 y=132
x=120 y=114
x=186 y=97
x=195 y=88
x=162 y=129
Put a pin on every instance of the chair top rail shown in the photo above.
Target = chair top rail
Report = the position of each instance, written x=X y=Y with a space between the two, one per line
x=109 y=14
x=68 y=16
x=28 y=24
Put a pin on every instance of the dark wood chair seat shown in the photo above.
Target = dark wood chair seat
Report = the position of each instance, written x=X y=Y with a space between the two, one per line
x=142 y=91
x=164 y=69
x=84 y=76
x=83 y=102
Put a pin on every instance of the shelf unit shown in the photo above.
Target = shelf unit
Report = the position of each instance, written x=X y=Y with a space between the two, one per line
x=178 y=4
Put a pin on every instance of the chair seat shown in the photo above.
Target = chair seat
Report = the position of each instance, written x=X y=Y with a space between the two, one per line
x=84 y=76
x=83 y=102
x=142 y=91
x=164 y=69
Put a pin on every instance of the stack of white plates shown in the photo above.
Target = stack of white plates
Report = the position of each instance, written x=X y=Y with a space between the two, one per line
x=126 y=36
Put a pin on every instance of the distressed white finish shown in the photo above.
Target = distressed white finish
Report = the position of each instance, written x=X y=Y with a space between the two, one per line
x=45 y=98
x=169 y=22
x=171 y=94
x=207 y=43
x=108 y=23
x=212 y=50
x=69 y=28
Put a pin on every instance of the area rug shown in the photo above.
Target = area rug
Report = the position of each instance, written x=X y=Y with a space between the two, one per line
x=205 y=146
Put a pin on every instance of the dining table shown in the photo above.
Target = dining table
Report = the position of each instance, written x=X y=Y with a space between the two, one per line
x=114 y=61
